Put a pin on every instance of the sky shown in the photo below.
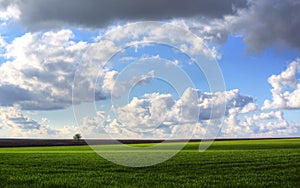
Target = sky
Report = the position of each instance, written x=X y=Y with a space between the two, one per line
x=155 y=69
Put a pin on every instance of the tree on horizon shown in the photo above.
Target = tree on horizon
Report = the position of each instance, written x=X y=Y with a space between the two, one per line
x=77 y=137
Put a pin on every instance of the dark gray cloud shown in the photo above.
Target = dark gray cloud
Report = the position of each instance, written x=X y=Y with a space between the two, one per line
x=4 y=4
x=28 y=100
x=269 y=22
x=10 y=94
x=40 y=14
x=262 y=24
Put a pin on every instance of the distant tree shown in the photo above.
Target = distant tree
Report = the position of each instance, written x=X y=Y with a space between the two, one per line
x=77 y=137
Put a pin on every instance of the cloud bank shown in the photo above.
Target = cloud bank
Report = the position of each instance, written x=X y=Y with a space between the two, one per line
x=40 y=70
x=40 y=67
x=13 y=123
x=158 y=115
x=41 y=14
x=268 y=22
x=262 y=22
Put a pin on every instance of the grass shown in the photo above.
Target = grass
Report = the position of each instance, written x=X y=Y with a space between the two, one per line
x=252 y=163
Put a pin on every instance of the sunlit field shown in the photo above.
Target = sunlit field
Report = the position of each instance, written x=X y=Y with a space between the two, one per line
x=243 y=163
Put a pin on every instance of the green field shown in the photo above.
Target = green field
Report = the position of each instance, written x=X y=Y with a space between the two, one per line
x=255 y=163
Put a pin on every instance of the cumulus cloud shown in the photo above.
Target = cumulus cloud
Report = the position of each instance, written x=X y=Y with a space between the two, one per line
x=41 y=14
x=95 y=127
x=285 y=88
x=163 y=108
x=270 y=124
x=10 y=116
x=161 y=116
x=229 y=99
x=262 y=124
x=250 y=107
x=15 y=124
x=232 y=126
x=146 y=113
x=40 y=69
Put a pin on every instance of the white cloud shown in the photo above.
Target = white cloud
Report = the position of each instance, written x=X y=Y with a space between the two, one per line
x=161 y=116
x=9 y=11
x=156 y=109
x=40 y=69
x=232 y=126
x=271 y=115
x=96 y=127
x=229 y=99
x=263 y=124
x=187 y=42
x=285 y=89
x=250 y=107
x=175 y=34
x=147 y=113
x=271 y=124
x=14 y=124
x=2 y=44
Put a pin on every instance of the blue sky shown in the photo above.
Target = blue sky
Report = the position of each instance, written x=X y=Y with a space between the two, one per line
x=250 y=72
x=126 y=77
